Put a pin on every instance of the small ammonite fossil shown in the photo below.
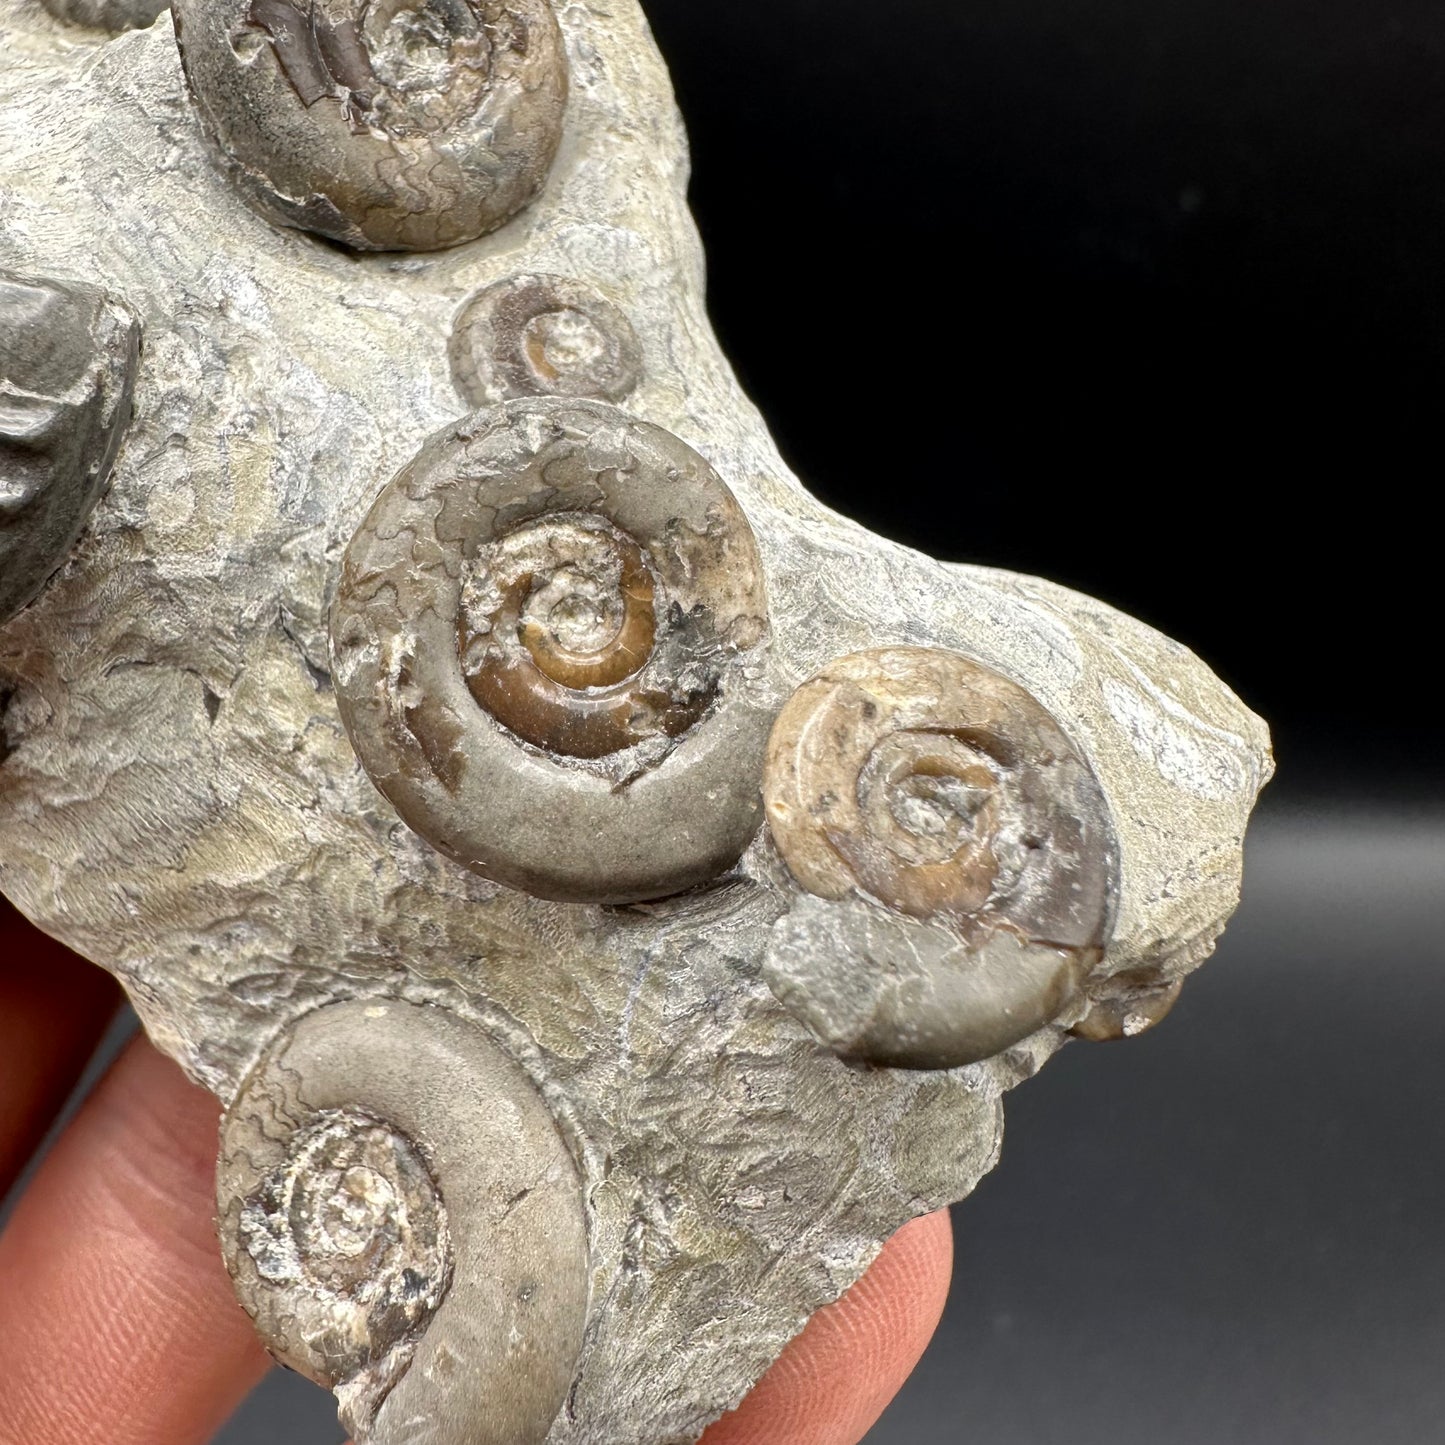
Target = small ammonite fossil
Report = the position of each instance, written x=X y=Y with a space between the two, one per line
x=558 y=611
x=402 y=1219
x=113 y=15
x=405 y=125
x=1133 y=1006
x=543 y=336
x=69 y=354
x=956 y=856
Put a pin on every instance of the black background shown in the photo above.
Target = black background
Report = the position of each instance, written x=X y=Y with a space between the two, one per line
x=1146 y=296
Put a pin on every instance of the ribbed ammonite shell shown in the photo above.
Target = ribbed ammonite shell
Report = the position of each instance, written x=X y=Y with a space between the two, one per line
x=384 y=124
x=403 y=1221
x=543 y=336
x=956 y=854
x=549 y=642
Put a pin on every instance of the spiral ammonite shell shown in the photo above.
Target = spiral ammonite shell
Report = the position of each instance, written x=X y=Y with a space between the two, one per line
x=543 y=336
x=403 y=1221
x=352 y=1220
x=384 y=124
x=957 y=849
x=549 y=642
x=1132 y=1007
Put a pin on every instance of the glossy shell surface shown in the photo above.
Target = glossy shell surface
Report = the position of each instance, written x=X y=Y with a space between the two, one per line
x=550 y=647
x=956 y=852
x=387 y=125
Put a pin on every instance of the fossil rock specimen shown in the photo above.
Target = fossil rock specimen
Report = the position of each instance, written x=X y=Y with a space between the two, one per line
x=610 y=892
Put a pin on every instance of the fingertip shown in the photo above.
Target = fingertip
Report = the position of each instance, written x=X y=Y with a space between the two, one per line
x=117 y=1318
x=54 y=1008
x=832 y=1383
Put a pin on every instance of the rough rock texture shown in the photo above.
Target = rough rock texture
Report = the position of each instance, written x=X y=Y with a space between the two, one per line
x=106 y=14
x=180 y=803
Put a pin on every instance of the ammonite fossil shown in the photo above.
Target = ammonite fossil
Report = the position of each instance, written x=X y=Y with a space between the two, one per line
x=543 y=336
x=919 y=785
x=405 y=750
x=557 y=611
x=385 y=124
x=338 y=1159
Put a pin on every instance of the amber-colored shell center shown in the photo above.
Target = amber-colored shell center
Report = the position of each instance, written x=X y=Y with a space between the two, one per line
x=558 y=625
x=930 y=805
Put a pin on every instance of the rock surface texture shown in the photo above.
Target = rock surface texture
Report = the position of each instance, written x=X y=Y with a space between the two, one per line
x=690 y=871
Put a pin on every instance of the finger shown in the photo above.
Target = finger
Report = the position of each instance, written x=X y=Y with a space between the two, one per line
x=54 y=1007
x=117 y=1320
x=833 y=1382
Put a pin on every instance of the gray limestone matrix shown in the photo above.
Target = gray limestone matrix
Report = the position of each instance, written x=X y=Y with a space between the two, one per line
x=610 y=892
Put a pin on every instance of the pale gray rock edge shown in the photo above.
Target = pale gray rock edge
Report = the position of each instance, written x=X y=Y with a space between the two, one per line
x=181 y=805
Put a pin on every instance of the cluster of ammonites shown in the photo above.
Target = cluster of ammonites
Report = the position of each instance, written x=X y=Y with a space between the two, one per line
x=552 y=653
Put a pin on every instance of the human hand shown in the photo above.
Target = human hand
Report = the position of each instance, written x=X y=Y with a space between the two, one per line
x=119 y=1322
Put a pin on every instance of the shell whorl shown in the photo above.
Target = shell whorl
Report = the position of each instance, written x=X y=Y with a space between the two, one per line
x=404 y=1223
x=550 y=641
x=537 y=335
x=955 y=853
x=406 y=125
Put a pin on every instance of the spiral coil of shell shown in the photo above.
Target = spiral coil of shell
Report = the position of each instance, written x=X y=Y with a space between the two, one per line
x=352 y=1224
x=386 y=125
x=550 y=646
x=955 y=856
x=543 y=336
x=404 y=1224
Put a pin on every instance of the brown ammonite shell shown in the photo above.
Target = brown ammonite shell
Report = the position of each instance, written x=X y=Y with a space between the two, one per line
x=956 y=854
x=386 y=125
x=549 y=644
x=403 y=1221
x=543 y=336
x=1132 y=1007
